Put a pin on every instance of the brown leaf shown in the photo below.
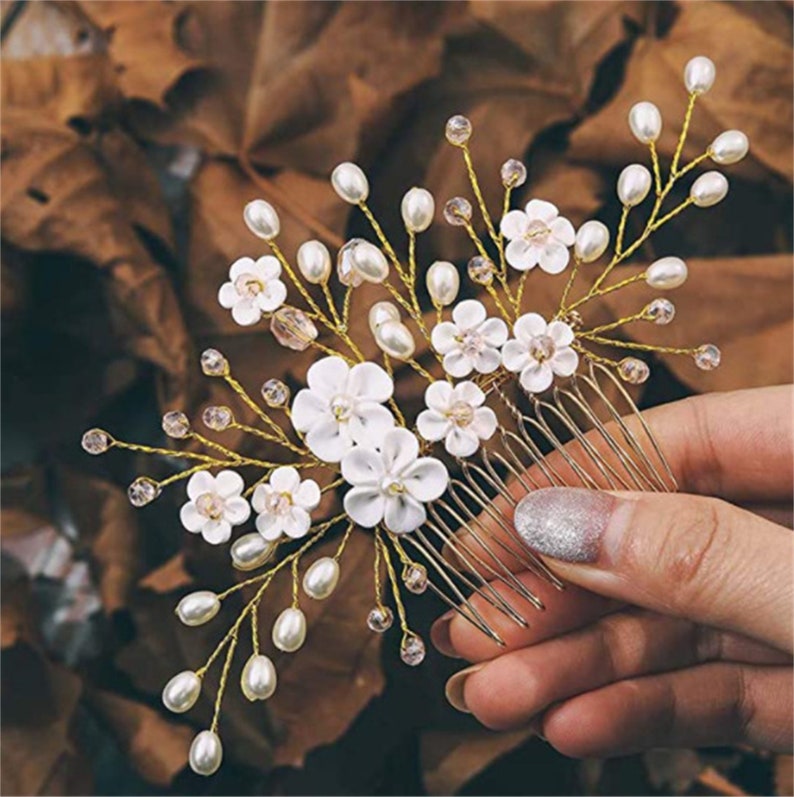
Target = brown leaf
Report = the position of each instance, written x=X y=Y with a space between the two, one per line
x=169 y=577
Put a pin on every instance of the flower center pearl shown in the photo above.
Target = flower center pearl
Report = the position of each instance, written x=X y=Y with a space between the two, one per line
x=537 y=232
x=392 y=486
x=342 y=408
x=210 y=505
x=471 y=342
x=541 y=348
x=248 y=285
x=461 y=413
x=278 y=503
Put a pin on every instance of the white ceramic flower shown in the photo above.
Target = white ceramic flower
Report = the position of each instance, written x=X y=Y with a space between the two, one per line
x=392 y=484
x=537 y=235
x=456 y=416
x=216 y=504
x=284 y=504
x=342 y=406
x=539 y=351
x=254 y=288
x=471 y=341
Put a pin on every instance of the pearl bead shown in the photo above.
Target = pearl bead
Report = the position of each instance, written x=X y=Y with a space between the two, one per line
x=634 y=184
x=261 y=218
x=251 y=551
x=380 y=313
x=181 y=692
x=321 y=578
x=369 y=262
x=314 y=262
x=592 y=239
x=350 y=183
x=418 y=207
x=396 y=340
x=709 y=189
x=666 y=273
x=206 y=753
x=443 y=282
x=645 y=122
x=289 y=630
x=729 y=147
x=699 y=74
x=258 y=679
x=198 y=607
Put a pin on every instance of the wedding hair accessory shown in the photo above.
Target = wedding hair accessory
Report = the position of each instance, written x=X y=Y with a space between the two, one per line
x=505 y=386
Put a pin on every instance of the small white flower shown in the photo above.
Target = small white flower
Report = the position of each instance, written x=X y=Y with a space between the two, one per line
x=216 y=504
x=254 y=288
x=392 y=484
x=471 y=341
x=342 y=407
x=284 y=504
x=537 y=235
x=456 y=416
x=539 y=351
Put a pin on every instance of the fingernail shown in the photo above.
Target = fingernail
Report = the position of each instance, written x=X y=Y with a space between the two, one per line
x=564 y=523
x=455 y=686
x=441 y=637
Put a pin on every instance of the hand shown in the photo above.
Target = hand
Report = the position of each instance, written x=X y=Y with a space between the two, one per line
x=678 y=631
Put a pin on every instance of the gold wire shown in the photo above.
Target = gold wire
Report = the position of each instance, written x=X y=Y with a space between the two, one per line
x=387 y=364
x=384 y=241
x=298 y=283
x=624 y=215
x=682 y=138
x=185 y=474
x=412 y=258
x=657 y=175
x=475 y=186
x=252 y=430
x=613 y=325
x=499 y=273
x=568 y=285
x=395 y=584
x=168 y=452
x=295 y=583
x=222 y=683
x=376 y=574
x=625 y=344
x=343 y=544
x=255 y=628
x=596 y=358
x=242 y=393
x=329 y=300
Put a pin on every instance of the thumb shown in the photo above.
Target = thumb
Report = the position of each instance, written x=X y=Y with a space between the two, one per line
x=693 y=557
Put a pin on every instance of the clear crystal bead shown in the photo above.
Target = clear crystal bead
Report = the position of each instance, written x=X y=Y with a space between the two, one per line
x=633 y=371
x=217 y=418
x=412 y=650
x=415 y=578
x=457 y=211
x=292 y=328
x=346 y=272
x=458 y=130
x=481 y=270
x=275 y=393
x=96 y=441
x=660 y=311
x=143 y=491
x=513 y=173
x=176 y=424
x=707 y=357
x=213 y=363
x=380 y=619
x=542 y=348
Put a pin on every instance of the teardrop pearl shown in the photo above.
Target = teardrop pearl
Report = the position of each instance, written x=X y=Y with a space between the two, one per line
x=592 y=239
x=350 y=182
x=206 y=753
x=699 y=74
x=289 y=630
x=321 y=578
x=645 y=122
x=729 y=147
x=314 y=262
x=666 y=273
x=417 y=208
x=709 y=189
x=370 y=263
x=198 y=607
x=396 y=340
x=443 y=282
x=181 y=692
x=380 y=313
x=258 y=680
x=251 y=551
x=261 y=218
x=634 y=184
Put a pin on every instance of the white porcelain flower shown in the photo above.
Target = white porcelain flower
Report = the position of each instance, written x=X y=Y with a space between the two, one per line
x=392 y=484
x=537 y=235
x=284 y=504
x=539 y=351
x=216 y=504
x=471 y=341
x=254 y=288
x=342 y=407
x=456 y=416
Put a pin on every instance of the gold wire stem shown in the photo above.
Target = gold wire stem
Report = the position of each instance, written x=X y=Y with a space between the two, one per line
x=298 y=283
x=346 y=305
x=693 y=163
x=205 y=441
x=624 y=215
x=242 y=393
x=674 y=212
x=329 y=300
x=500 y=272
x=506 y=202
x=412 y=258
x=625 y=344
x=252 y=430
x=376 y=574
x=295 y=583
x=475 y=186
x=568 y=285
x=657 y=174
x=421 y=371
x=387 y=364
x=222 y=683
x=497 y=301
x=613 y=325
x=255 y=628
x=384 y=241
x=343 y=543
x=395 y=584
x=682 y=138
x=520 y=293
x=185 y=474
x=172 y=453
x=596 y=358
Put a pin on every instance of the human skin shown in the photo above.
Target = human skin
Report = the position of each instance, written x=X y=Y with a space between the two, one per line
x=677 y=630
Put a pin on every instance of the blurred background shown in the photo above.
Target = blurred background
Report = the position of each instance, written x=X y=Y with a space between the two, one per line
x=132 y=135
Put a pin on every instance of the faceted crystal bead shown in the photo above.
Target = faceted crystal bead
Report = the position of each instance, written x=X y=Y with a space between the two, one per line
x=143 y=491
x=415 y=578
x=707 y=357
x=412 y=650
x=176 y=424
x=292 y=328
x=96 y=441
x=660 y=311
x=217 y=418
x=380 y=619
x=275 y=393
x=481 y=270
x=213 y=363
x=457 y=211
x=458 y=130
x=514 y=173
x=346 y=272
x=633 y=371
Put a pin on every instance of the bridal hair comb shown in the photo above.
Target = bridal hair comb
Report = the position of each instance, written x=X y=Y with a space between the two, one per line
x=505 y=386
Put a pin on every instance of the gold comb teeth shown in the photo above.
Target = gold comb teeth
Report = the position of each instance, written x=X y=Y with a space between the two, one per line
x=514 y=402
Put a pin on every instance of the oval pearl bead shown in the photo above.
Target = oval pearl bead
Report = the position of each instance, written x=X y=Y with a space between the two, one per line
x=443 y=282
x=198 y=607
x=709 y=189
x=321 y=578
x=380 y=313
x=289 y=630
x=350 y=183
x=261 y=218
x=592 y=239
x=729 y=147
x=699 y=74
x=418 y=208
x=251 y=551
x=645 y=122
x=396 y=340
x=314 y=262
x=666 y=273
x=258 y=680
x=181 y=692
x=633 y=184
x=369 y=262
x=206 y=753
